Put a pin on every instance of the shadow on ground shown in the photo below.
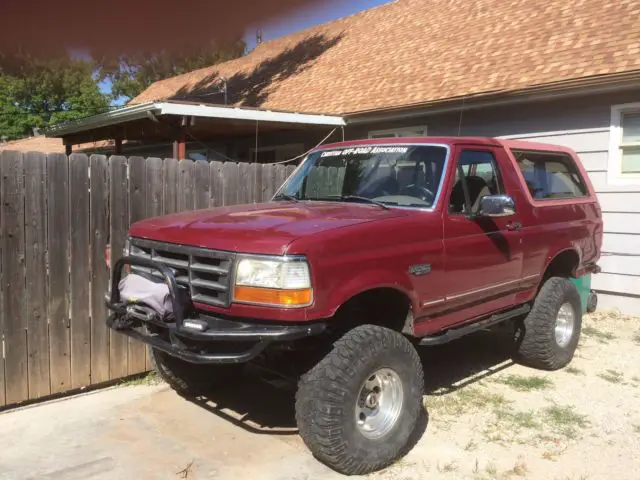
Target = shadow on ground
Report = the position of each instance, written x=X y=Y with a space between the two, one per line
x=264 y=404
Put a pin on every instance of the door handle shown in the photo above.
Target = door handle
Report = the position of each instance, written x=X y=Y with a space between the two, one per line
x=514 y=226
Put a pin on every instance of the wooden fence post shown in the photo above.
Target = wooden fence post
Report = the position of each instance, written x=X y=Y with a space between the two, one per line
x=186 y=185
x=2 y=320
x=138 y=211
x=118 y=202
x=203 y=185
x=99 y=228
x=79 y=211
x=35 y=174
x=58 y=280
x=170 y=187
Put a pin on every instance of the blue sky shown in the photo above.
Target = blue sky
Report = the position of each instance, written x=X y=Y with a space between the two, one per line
x=300 y=20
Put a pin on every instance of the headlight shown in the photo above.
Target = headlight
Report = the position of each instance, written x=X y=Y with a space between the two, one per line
x=280 y=282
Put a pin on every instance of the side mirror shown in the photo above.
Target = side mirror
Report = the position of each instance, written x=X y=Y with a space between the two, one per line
x=497 y=206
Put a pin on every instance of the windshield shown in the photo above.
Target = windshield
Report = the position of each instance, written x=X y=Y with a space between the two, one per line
x=402 y=175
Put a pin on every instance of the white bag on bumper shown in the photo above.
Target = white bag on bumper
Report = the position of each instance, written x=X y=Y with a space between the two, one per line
x=137 y=289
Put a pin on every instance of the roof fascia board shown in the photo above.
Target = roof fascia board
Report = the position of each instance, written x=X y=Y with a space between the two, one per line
x=136 y=112
x=237 y=113
x=125 y=114
x=482 y=101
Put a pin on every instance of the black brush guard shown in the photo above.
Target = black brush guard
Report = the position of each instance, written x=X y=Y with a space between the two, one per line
x=188 y=343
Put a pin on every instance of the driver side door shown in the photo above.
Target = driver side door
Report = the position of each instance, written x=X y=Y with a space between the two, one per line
x=483 y=256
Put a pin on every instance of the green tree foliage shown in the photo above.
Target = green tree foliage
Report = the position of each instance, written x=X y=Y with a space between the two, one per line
x=41 y=92
x=132 y=73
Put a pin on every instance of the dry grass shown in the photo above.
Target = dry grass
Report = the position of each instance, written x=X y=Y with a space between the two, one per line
x=602 y=337
x=520 y=469
x=149 y=378
x=464 y=401
x=565 y=420
x=612 y=376
x=448 y=467
x=526 y=384
x=574 y=371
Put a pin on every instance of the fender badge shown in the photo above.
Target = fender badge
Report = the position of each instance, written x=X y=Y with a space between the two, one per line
x=420 y=269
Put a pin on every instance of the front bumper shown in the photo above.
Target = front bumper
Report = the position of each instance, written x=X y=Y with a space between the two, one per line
x=190 y=335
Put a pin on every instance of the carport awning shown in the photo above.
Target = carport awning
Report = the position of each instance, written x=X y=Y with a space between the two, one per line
x=161 y=119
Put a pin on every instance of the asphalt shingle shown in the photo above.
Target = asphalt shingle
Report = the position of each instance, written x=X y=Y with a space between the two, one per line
x=414 y=51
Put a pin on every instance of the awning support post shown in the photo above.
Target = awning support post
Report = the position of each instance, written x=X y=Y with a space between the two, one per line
x=180 y=145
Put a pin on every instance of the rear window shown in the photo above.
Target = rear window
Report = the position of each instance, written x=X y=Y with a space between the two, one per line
x=550 y=175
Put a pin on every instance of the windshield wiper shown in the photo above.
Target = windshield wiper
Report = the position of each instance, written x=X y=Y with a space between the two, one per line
x=284 y=196
x=357 y=198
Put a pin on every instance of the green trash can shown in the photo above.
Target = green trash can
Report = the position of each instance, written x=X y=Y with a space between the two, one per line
x=587 y=297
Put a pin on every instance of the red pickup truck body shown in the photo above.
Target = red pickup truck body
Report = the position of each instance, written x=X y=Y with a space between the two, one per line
x=477 y=267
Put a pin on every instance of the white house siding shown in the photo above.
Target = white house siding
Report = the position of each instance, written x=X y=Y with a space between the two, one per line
x=582 y=124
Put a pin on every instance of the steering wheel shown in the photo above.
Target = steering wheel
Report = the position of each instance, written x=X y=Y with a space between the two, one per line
x=417 y=191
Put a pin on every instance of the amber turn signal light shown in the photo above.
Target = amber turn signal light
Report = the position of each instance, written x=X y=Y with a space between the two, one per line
x=273 y=297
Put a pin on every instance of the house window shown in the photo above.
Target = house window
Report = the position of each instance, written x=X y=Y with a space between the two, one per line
x=419 y=131
x=624 y=149
x=630 y=144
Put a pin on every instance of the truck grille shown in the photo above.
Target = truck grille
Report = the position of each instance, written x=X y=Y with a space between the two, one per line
x=206 y=273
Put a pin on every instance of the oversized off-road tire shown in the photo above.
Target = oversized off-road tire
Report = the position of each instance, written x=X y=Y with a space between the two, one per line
x=358 y=409
x=189 y=378
x=551 y=330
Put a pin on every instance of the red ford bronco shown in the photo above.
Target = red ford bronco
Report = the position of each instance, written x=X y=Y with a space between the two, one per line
x=370 y=250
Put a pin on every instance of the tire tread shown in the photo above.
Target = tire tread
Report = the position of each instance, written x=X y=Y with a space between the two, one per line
x=320 y=400
x=538 y=348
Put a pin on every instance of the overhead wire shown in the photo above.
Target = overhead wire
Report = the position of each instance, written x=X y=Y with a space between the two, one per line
x=272 y=163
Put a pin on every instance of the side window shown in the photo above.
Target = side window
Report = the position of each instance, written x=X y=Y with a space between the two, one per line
x=550 y=175
x=479 y=175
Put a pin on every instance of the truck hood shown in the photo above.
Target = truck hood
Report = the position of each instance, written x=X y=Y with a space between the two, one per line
x=266 y=228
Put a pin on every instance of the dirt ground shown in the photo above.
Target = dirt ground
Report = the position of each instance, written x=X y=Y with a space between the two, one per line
x=488 y=419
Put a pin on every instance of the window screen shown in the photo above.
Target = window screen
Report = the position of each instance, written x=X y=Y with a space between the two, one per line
x=550 y=175
x=630 y=144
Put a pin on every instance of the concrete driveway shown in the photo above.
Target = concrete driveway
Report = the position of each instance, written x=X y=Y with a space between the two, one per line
x=149 y=431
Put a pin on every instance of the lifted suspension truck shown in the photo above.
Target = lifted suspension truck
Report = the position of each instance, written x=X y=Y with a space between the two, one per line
x=369 y=250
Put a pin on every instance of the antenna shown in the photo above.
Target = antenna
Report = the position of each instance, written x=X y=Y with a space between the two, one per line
x=223 y=88
x=460 y=119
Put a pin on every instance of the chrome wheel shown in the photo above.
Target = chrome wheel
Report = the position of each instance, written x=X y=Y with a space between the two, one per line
x=379 y=403
x=565 y=324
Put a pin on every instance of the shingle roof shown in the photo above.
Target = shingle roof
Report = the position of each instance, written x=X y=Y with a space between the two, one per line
x=414 y=51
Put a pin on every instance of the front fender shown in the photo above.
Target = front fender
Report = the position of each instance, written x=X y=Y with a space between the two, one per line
x=370 y=280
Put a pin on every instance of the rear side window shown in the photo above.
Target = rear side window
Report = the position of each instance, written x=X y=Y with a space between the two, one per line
x=550 y=175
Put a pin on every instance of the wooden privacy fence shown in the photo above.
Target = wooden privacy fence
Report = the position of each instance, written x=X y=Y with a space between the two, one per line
x=58 y=214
